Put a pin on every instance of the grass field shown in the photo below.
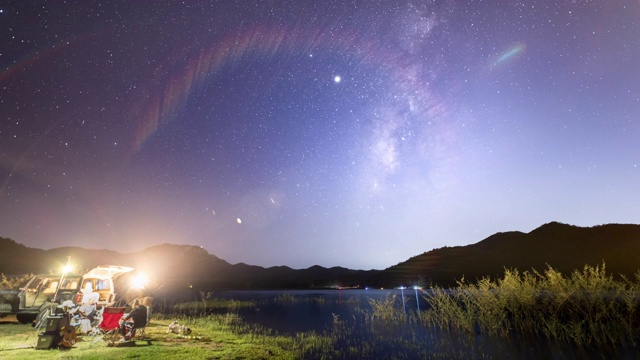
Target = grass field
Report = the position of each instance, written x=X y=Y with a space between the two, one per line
x=212 y=338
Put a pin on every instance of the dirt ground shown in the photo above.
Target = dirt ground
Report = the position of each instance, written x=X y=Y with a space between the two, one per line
x=8 y=319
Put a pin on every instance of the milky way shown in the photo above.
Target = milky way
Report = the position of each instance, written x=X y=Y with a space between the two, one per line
x=353 y=134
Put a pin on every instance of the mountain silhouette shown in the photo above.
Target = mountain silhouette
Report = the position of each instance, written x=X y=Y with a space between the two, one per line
x=564 y=247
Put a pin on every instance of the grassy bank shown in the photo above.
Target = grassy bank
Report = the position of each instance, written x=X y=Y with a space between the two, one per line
x=587 y=308
x=212 y=337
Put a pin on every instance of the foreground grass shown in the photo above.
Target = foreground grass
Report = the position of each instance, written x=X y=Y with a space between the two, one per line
x=212 y=337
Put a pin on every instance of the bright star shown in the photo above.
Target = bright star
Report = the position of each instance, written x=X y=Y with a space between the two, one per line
x=337 y=79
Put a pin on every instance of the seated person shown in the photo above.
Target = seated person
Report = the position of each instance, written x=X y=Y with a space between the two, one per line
x=87 y=289
x=147 y=302
x=88 y=308
x=85 y=313
x=137 y=318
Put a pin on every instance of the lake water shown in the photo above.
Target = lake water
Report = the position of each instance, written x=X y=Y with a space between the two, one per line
x=311 y=310
x=298 y=311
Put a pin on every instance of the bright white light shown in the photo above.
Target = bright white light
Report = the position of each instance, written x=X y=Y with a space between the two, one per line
x=337 y=79
x=66 y=269
x=139 y=281
x=239 y=221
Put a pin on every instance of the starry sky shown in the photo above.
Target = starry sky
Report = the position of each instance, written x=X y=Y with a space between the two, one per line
x=333 y=133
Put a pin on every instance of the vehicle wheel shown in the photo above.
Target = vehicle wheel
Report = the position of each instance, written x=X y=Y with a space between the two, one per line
x=25 y=318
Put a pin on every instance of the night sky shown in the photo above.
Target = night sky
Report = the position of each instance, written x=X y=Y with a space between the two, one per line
x=336 y=133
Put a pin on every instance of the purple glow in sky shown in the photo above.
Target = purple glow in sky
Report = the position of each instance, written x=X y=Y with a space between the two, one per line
x=336 y=133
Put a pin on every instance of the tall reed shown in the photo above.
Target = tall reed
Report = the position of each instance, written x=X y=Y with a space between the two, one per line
x=586 y=308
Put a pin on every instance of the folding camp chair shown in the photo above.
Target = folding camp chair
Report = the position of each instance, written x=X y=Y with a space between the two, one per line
x=87 y=326
x=110 y=325
x=141 y=331
x=138 y=330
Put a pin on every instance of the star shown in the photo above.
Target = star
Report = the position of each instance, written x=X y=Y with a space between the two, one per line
x=435 y=138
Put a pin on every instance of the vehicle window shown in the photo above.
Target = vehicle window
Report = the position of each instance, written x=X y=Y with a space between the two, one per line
x=102 y=284
x=88 y=285
x=43 y=284
x=35 y=285
x=50 y=287
x=70 y=283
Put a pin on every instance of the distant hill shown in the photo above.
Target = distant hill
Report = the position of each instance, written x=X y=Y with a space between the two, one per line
x=18 y=259
x=176 y=267
x=564 y=247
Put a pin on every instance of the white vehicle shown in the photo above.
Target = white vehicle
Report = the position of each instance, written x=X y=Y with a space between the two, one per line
x=111 y=282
